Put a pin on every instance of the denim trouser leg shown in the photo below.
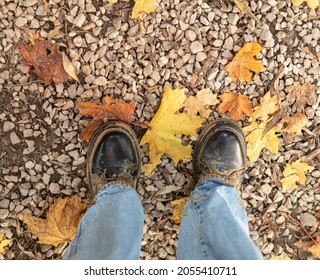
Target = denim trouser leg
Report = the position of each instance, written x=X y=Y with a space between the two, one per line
x=214 y=225
x=110 y=229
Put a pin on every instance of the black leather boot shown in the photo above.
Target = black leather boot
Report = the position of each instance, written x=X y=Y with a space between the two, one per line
x=113 y=157
x=221 y=152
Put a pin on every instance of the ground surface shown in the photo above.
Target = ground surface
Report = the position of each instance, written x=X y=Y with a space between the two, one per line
x=42 y=158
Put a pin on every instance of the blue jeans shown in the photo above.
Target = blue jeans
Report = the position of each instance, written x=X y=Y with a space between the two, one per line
x=214 y=226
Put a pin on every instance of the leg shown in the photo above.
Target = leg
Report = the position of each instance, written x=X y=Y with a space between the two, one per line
x=214 y=225
x=112 y=228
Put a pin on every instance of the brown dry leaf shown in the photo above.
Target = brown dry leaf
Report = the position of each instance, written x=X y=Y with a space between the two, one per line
x=3 y=243
x=112 y=110
x=178 y=206
x=295 y=123
x=268 y=106
x=45 y=60
x=236 y=105
x=302 y=95
x=200 y=103
x=243 y=6
x=55 y=33
x=243 y=63
x=69 y=68
x=281 y=257
x=62 y=221
x=315 y=249
x=304 y=245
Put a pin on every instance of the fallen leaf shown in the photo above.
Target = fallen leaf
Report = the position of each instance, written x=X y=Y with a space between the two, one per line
x=243 y=6
x=281 y=257
x=295 y=173
x=168 y=189
x=268 y=106
x=46 y=5
x=143 y=6
x=258 y=140
x=200 y=103
x=45 y=60
x=315 y=249
x=3 y=243
x=243 y=63
x=112 y=110
x=236 y=105
x=162 y=130
x=69 y=68
x=295 y=123
x=301 y=94
x=55 y=33
x=313 y=4
x=112 y=1
x=62 y=221
x=304 y=245
x=178 y=206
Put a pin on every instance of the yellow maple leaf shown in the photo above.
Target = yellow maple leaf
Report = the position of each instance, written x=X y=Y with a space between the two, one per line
x=200 y=103
x=243 y=63
x=61 y=223
x=311 y=3
x=3 y=243
x=257 y=140
x=281 y=257
x=295 y=173
x=268 y=106
x=236 y=105
x=178 y=206
x=315 y=249
x=162 y=130
x=295 y=123
x=143 y=6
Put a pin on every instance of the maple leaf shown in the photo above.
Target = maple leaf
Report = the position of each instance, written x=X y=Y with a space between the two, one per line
x=302 y=94
x=313 y=4
x=162 y=130
x=295 y=123
x=200 y=103
x=112 y=110
x=243 y=6
x=62 y=221
x=178 y=206
x=143 y=6
x=268 y=106
x=281 y=257
x=258 y=140
x=236 y=105
x=45 y=60
x=3 y=243
x=295 y=173
x=243 y=62
x=315 y=249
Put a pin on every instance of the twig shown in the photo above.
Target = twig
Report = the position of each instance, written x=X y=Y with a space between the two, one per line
x=297 y=222
x=24 y=84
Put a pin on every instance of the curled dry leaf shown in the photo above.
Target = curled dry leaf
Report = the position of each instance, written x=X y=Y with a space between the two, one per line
x=313 y=4
x=3 y=243
x=178 y=206
x=112 y=110
x=62 y=221
x=295 y=123
x=281 y=257
x=315 y=249
x=295 y=173
x=200 y=104
x=45 y=60
x=268 y=106
x=302 y=95
x=236 y=105
x=243 y=6
x=69 y=68
x=243 y=63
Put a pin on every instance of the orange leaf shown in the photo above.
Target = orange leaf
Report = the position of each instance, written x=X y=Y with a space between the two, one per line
x=112 y=110
x=295 y=123
x=45 y=60
x=315 y=249
x=243 y=62
x=235 y=104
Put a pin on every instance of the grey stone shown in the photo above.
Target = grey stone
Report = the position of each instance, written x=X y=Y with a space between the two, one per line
x=307 y=219
x=8 y=126
x=79 y=20
x=196 y=47
x=14 y=138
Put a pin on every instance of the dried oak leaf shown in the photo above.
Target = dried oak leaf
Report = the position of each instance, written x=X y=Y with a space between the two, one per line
x=62 y=221
x=243 y=63
x=3 y=243
x=313 y=4
x=295 y=173
x=112 y=110
x=178 y=206
x=143 y=6
x=258 y=140
x=236 y=105
x=295 y=123
x=302 y=94
x=162 y=130
x=45 y=60
x=268 y=106
x=315 y=249
x=200 y=103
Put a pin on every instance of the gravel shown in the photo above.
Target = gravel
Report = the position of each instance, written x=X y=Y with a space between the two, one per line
x=42 y=157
